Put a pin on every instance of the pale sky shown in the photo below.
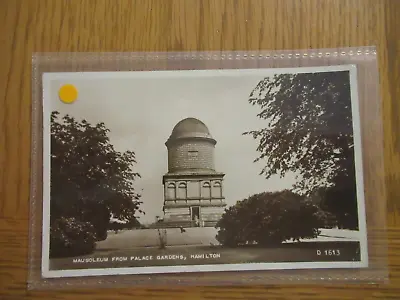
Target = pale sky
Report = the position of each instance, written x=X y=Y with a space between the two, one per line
x=141 y=113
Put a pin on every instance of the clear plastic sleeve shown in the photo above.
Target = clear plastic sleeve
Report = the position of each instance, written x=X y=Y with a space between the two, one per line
x=363 y=59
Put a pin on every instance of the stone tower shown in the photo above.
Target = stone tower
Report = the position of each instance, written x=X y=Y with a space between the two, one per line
x=193 y=190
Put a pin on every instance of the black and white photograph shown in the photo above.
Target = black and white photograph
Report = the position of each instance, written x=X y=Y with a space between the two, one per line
x=151 y=172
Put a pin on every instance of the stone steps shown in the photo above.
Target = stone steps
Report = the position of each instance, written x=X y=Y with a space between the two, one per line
x=184 y=224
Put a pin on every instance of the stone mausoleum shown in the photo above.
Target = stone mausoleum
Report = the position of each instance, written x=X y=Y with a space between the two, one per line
x=193 y=189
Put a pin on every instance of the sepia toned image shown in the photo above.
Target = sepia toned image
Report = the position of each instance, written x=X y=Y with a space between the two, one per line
x=202 y=170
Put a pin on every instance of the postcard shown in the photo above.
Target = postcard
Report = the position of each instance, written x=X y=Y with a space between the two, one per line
x=151 y=172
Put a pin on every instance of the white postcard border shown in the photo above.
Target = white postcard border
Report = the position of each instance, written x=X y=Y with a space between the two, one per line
x=48 y=77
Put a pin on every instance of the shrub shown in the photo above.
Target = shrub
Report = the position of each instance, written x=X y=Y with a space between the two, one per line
x=71 y=237
x=97 y=214
x=269 y=219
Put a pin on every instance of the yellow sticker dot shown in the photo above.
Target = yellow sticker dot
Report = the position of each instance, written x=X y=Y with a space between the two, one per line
x=68 y=93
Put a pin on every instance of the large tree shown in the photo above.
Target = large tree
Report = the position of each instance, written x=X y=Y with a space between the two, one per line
x=309 y=132
x=90 y=180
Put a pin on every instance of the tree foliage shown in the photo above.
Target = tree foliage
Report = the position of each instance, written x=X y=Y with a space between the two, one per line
x=90 y=180
x=70 y=237
x=269 y=219
x=309 y=125
x=309 y=132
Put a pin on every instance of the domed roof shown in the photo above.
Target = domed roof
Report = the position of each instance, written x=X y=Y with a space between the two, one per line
x=190 y=125
x=189 y=128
